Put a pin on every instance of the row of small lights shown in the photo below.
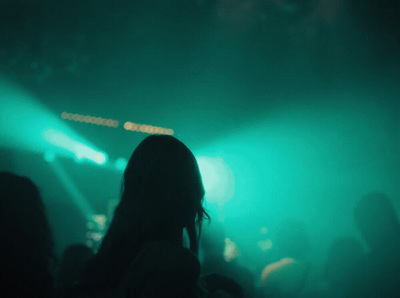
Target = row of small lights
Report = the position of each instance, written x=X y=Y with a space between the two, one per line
x=90 y=119
x=114 y=123
x=147 y=128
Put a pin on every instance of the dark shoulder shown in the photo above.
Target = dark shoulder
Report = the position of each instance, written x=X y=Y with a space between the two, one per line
x=162 y=269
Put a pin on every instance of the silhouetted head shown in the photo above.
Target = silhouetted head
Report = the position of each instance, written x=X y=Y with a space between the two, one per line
x=162 y=184
x=26 y=243
x=72 y=265
x=377 y=221
x=162 y=193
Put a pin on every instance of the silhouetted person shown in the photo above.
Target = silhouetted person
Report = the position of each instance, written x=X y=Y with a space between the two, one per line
x=378 y=272
x=342 y=257
x=26 y=243
x=287 y=276
x=142 y=254
x=212 y=247
x=72 y=265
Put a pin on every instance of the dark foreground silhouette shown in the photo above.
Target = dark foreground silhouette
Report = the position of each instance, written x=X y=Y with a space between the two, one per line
x=26 y=243
x=142 y=253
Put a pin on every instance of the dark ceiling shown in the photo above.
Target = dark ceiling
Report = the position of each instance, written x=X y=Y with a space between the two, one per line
x=204 y=68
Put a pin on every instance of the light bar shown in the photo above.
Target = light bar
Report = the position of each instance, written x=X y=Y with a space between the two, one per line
x=90 y=119
x=144 y=128
x=147 y=128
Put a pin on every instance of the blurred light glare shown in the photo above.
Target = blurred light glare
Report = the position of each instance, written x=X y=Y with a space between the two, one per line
x=121 y=163
x=265 y=245
x=208 y=173
x=217 y=179
x=150 y=129
x=100 y=158
x=127 y=125
x=231 y=251
x=90 y=119
x=49 y=156
x=80 y=150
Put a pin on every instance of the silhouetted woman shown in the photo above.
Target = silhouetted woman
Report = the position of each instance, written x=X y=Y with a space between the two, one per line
x=142 y=253
x=26 y=243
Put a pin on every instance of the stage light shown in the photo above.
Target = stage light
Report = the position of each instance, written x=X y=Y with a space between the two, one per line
x=80 y=150
x=28 y=125
x=121 y=163
x=100 y=158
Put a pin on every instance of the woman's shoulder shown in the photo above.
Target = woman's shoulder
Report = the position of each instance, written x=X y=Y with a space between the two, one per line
x=162 y=268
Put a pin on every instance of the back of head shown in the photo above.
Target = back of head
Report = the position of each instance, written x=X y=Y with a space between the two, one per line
x=377 y=221
x=162 y=194
x=163 y=178
x=26 y=244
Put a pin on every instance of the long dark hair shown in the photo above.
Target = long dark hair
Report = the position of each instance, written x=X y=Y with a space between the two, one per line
x=162 y=191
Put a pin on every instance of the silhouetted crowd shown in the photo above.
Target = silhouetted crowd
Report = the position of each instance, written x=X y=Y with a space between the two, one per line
x=143 y=252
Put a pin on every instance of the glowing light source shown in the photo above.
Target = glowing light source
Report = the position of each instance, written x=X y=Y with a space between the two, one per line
x=100 y=158
x=101 y=220
x=25 y=124
x=96 y=225
x=81 y=151
x=231 y=251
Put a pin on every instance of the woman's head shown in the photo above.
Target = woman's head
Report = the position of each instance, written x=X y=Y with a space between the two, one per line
x=163 y=178
x=162 y=193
